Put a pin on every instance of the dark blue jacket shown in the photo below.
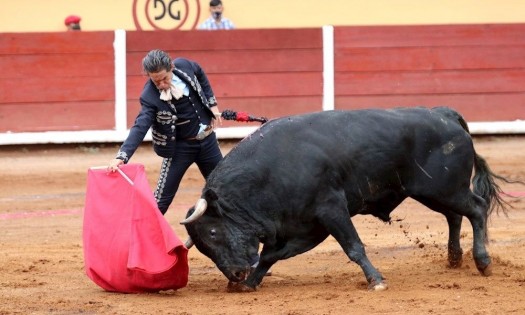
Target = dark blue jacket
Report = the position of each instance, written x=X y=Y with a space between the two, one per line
x=159 y=115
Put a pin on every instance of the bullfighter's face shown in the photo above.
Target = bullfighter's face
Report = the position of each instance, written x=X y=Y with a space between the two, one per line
x=161 y=79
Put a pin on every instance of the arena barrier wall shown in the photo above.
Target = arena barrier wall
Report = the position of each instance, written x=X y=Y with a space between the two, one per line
x=84 y=86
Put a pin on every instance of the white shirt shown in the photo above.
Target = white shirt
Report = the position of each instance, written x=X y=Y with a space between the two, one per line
x=175 y=80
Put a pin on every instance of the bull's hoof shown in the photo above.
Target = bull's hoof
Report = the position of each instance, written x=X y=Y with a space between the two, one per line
x=455 y=263
x=485 y=270
x=239 y=287
x=455 y=260
x=484 y=265
x=381 y=286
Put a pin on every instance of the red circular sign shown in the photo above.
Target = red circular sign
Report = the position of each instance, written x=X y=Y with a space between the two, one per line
x=169 y=12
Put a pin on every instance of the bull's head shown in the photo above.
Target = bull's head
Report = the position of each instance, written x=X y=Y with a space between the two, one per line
x=223 y=236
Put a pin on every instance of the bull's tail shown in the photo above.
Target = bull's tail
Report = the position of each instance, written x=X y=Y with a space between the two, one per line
x=484 y=185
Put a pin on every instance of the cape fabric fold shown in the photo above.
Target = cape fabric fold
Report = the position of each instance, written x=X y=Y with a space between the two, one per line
x=128 y=245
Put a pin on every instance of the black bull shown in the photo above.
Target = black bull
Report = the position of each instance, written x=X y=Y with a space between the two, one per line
x=298 y=179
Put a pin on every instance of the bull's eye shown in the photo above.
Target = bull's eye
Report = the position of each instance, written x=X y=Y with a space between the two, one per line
x=213 y=232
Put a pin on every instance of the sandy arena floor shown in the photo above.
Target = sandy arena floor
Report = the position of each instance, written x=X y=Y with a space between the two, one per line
x=41 y=262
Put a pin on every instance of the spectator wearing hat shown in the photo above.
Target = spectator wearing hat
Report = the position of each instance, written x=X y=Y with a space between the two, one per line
x=72 y=23
x=217 y=21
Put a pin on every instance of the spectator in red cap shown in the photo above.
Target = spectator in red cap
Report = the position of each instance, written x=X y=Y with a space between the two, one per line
x=73 y=23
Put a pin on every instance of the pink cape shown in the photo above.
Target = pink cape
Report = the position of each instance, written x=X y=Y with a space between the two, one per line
x=128 y=245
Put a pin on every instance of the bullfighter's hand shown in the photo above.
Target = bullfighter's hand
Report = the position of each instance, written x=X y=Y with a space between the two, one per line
x=218 y=119
x=114 y=164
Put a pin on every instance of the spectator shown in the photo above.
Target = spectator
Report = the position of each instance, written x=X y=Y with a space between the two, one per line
x=216 y=21
x=72 y=23
x=179 y=105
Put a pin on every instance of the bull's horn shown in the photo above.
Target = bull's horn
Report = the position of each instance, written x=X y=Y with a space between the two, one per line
x=200 y=208
x=189 y=243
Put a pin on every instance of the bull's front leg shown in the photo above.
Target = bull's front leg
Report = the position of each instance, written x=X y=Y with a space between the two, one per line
x=343 y=230
x=304 y=240
x=256 y=275
x=354 y=249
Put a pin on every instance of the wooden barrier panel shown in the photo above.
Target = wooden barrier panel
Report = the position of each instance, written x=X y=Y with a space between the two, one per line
x=57 y=81
x=268 y=73
x=477 y=69
x=66 y=81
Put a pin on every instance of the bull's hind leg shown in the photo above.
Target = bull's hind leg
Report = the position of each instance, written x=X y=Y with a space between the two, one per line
x=475 y=209
x=478 y=219
x=455 y=253
x=337 y=222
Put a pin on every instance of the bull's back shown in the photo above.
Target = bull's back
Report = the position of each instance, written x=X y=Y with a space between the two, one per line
x=344 y=134
x=309 y=152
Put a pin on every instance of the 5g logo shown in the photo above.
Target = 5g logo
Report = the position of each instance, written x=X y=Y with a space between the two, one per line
x=150 y=15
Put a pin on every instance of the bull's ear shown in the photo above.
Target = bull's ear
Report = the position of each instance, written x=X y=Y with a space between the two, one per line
x=210 y=195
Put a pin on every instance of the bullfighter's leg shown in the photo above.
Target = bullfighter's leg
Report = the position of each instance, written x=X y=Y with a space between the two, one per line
x=338 y=223
x=455 y=253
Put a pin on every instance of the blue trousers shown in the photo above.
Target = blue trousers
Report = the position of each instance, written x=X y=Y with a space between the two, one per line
x=205 y=153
